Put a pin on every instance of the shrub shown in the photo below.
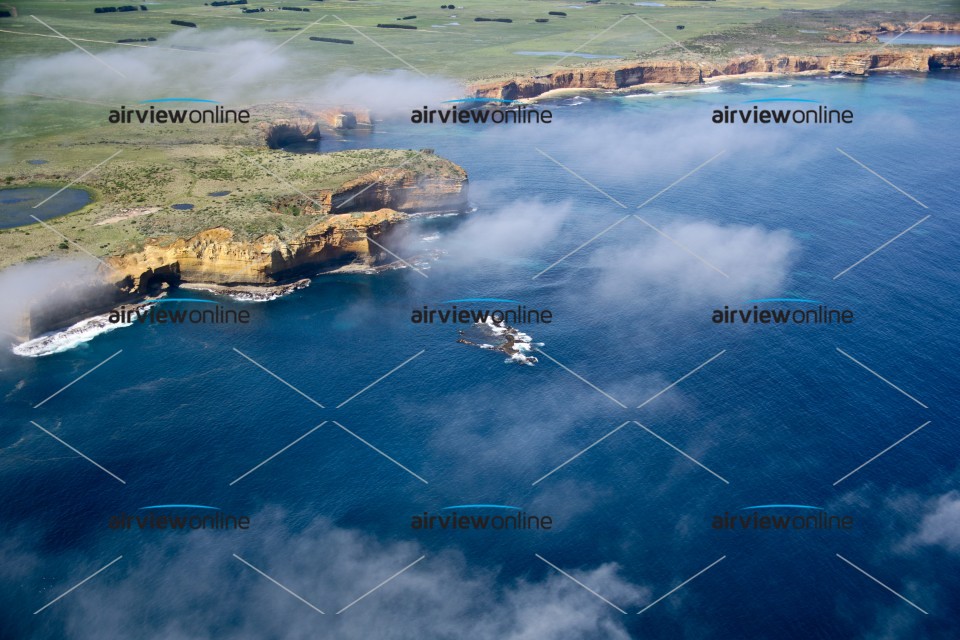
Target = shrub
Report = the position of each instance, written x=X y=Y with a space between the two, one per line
x=334 y=40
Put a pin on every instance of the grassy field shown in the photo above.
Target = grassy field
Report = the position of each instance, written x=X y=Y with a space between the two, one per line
x=450 y=41
x=163 y=165
x=154 y=177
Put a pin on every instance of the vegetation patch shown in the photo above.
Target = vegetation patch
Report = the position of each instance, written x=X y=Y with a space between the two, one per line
x=333 y=40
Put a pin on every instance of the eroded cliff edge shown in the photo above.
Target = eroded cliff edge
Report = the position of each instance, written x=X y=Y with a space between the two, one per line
x=345 y=225
x=323 y=229
x=627 y=75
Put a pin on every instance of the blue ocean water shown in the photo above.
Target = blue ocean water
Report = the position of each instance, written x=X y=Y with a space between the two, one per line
x=779 y=416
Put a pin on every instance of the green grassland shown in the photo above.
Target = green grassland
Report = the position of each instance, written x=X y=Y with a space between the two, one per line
x=162 y=165
x=157 y=176
x=468 y=50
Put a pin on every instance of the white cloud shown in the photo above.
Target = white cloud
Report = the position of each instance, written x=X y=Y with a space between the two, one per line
x=190 y=586
x=756 y=262
x=940 y=525
x=509 y=233
x=232 y=68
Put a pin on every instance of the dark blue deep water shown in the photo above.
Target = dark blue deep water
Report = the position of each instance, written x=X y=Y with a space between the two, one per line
x=781 y=415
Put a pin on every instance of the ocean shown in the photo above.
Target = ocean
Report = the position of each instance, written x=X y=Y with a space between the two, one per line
x=783 y=412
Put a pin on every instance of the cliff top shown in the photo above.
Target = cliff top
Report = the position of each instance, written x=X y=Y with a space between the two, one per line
x=252 y=192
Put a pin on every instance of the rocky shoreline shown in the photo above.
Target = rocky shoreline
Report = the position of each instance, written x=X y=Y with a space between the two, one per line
x=625 y=75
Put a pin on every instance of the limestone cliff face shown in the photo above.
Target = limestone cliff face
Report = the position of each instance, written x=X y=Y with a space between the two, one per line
x=214 y=255
x=402 y=189
x=284 y=132
x=667 y=71
x=897 y=27
x=281 y=132
x=365 y=207
x=676 y=72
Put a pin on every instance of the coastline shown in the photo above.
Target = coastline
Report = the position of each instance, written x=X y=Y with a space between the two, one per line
x=616 y=78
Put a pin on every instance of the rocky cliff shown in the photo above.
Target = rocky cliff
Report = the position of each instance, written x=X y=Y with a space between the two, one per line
x=340 y=222
x=305 y=125
x=214 y=255
x=405 y=190
x=677 y=72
